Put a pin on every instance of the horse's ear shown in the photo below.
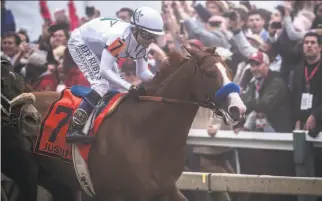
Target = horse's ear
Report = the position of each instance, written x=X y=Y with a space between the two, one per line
x=210 y=50
x=6 y=67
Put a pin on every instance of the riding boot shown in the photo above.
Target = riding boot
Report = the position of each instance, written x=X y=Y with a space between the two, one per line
x=80 y=117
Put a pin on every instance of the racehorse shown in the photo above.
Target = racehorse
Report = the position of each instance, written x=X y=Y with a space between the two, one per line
x=138 y=153
x=19 y=123
x=16 y=158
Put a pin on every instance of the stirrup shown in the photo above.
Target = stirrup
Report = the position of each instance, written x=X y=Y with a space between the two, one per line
x=80 y=117
x=79 y=139
x=75 y=135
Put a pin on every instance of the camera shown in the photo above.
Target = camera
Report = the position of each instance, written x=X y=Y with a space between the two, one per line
x=181 y=27
x=276 y=25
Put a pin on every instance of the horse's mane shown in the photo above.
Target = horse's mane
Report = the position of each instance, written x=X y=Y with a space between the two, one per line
x=167 y=67
x=175 y=60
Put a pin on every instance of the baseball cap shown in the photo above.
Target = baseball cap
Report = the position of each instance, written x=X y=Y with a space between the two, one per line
x=259 y=57
x=197 y=43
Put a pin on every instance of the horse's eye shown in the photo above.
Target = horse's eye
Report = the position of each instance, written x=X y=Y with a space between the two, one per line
x=211 y=73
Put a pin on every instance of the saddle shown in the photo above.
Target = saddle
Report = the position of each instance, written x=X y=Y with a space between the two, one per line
x=80 y=92
x=51 y=140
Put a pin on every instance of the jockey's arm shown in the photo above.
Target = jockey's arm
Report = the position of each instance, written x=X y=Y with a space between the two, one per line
x=142 y=70
x=106 y=72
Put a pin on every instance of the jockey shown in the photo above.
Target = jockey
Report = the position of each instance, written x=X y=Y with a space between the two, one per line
x=95 y=47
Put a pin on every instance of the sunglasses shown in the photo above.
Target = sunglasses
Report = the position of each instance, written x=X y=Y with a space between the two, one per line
x=254 y=63
x=147 y=35
x=214 y=23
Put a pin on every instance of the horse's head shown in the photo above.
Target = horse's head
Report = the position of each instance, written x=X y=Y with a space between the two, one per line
x=212 y=85
x=207 y=81
x=17 y=107
x=10 y=85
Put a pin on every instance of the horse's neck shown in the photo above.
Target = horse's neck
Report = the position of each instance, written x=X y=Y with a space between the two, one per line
x=177 y=86
x=176 y=118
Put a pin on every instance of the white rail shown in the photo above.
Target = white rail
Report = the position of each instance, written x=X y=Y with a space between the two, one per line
x=250 y=183
x=251 y=140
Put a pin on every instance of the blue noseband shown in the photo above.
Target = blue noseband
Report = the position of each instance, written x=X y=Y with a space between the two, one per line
x=224 y=91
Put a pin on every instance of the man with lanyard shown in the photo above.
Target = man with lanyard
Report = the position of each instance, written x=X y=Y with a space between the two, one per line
x=307 y=83
x=267 y=98
x=95 y=47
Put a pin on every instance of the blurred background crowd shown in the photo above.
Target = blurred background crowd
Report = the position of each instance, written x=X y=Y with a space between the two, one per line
x=275 y=57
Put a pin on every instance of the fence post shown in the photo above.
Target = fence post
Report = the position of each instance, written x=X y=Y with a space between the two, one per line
x=303 y=155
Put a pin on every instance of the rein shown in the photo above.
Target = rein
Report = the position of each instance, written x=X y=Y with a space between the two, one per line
x=207 y=104
x=176 y=101
x=217 y=111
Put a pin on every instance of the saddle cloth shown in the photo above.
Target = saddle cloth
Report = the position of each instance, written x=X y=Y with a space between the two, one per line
x=51 y=140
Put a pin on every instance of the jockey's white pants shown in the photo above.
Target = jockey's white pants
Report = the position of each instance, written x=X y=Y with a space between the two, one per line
x=89 y=63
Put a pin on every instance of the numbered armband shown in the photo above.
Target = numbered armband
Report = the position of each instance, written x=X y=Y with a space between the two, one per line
x=116 y=47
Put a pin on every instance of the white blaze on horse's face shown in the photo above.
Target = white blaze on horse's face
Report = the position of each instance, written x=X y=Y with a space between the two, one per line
x=234 y=99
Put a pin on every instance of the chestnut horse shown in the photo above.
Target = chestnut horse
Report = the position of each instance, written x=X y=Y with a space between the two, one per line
x=139 y=152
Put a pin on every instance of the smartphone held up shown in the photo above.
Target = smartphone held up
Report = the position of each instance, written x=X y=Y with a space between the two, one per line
x=181 y=27
x=276 y=25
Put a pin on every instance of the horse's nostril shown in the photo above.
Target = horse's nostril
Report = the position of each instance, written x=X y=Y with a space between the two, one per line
x=234 y=112
x=30 y=120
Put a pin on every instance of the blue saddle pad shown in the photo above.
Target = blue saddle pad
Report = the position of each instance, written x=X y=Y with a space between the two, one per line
x=80 y=91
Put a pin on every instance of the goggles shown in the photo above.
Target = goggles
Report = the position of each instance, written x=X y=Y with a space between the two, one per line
x=147 y=35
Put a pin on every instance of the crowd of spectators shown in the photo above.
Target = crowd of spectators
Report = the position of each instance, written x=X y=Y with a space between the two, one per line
x=269 y=53
x=275 y=56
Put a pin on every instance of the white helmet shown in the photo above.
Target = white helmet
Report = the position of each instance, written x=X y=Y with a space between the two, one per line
x=148 y=19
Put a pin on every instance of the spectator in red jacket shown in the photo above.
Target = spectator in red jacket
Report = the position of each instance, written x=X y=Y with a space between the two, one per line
x=66 y=75
x=72 y=75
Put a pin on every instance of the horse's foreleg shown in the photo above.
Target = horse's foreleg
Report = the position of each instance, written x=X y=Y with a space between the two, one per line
x=21 y=168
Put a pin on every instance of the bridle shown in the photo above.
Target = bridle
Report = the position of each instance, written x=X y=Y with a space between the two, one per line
x=11 y=114
x=11 y=118
x=214 y=105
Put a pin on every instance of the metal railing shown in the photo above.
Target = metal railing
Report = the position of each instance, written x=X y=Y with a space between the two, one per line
x=250 y=140
x=305 y=184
